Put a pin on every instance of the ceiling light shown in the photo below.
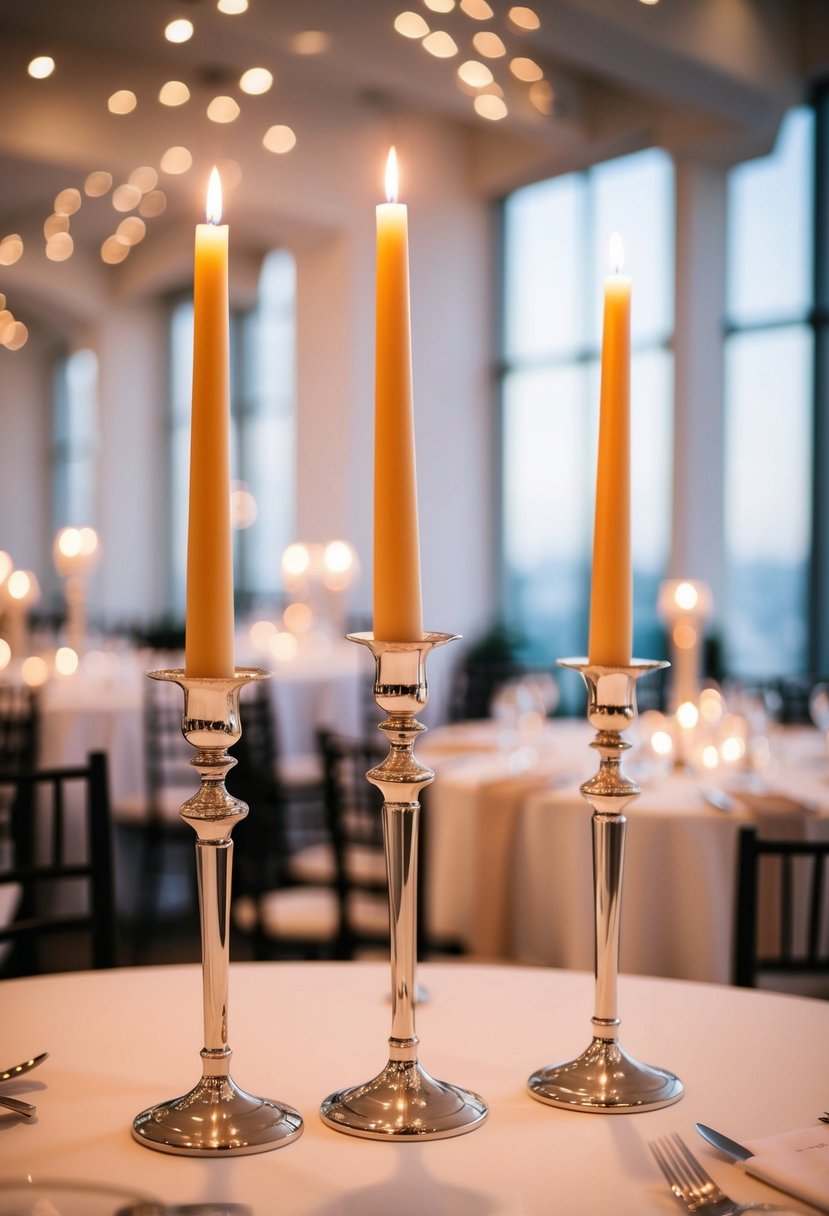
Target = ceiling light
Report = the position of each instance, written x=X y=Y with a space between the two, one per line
x=479 y=10
x=179 y=31
x=41 y=66
x=232 y=7
x=488 y=44
x=174 y=93
x=279 y=139
x=524 y=18
x=256 y=81
x=411 y=25
x=526 y=70
x=176 y=160
x=440 y=44
x=310 y=42
x=122 y=102
x=490 y=106
x=223 y=109
x=476 y=75
x=97 y=183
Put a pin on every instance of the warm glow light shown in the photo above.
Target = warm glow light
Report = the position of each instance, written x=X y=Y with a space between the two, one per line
x=19 y=584
x=243 y=508
x=524 y=18
x=256 y=81
x=55 y=223
x=684 y=636
x=479 y=10
x=662 y=743
x=391 y=175
x=89 y=541
x=114 y=250
x=310 y=42
x=122 y=102
x=261 y=633
x=180 y=30
x=296 y=560
x=125 y=197
x=144 y=177
x=298 y=617
x=733 y=748
x=5 y=654
x=687 y=715
x=18 y=336
x=526 y=70
x=132 y=230
x=490 y=106
x=279 y=139
x=616 y=253
x=176 y=160
x=338 y=557
x=6 y=565
x=440 y=44
x=542 y=96
x=283 y=646
x=648 y=1
x=488 y=44
x=6 y=328
x=153 y=204
x=69 y=542
x=41 y=66
x=686 y=596
x=214 y=197
x=411 y=25
x=711 y=705
x=232 y=8
x=60 y=247
x=11 y=249
x=440 y=6
x=174 y=93
x=66 y=661
x=710 y=756
x=223 y=110
x=34 y=671
x=97 y=183
x=68 y=201
x=475 y=74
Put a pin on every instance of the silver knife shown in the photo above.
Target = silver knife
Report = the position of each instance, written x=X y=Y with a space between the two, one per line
x=737 y=1152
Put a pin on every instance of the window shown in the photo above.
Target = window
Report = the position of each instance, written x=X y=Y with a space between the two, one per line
x=76 y=441
x=555 y=257
x=769 y=357
x=262 y=434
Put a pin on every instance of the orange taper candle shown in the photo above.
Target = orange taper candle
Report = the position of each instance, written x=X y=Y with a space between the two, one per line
x=209 y=624
x=611 y=599
x=398 y=614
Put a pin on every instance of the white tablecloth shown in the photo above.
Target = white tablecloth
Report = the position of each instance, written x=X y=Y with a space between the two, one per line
x=511 y=861
x=123 y=1040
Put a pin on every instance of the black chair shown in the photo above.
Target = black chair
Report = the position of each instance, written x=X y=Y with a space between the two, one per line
x=793 y=873
x=19 y=727
x=56 y=874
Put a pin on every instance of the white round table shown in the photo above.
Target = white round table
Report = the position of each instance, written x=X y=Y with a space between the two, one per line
x=120 y=1041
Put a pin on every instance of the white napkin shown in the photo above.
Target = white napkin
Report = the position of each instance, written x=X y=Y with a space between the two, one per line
x=796 y=1162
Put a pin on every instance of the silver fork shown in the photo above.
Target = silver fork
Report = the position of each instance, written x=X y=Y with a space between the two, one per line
x=692 y=1186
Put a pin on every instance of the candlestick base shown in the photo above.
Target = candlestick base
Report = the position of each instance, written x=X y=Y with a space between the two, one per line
x=217 y=1118
x=404 y=1102
x=604 y=1078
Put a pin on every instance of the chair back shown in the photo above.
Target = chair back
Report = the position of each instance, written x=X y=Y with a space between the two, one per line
x=19 y=724
x=56 y=871
x=793 y=875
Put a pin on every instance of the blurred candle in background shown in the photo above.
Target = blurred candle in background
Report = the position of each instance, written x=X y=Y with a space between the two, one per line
x=398 y=615
x=209 y=624
x=611 y=598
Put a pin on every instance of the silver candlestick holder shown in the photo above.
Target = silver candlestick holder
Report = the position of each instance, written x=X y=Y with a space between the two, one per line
x=216 y=1118
x=403 y=1102
x=605 y=1078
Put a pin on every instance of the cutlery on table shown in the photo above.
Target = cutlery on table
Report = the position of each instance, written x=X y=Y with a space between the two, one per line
x=719 y=799
x=18 y=1107
x=691 y=1184
x=11 y=1074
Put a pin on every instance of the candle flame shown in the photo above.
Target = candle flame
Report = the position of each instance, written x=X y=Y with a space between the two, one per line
x=616 y=253
x=214 y=198
x=391 y=176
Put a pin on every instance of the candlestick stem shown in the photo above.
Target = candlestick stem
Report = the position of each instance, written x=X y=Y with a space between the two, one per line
x=605 y=1078
x=216 y=1118
x=403 y=1102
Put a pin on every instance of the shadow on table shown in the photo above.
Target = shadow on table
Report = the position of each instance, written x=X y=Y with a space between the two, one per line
x=411 y=1181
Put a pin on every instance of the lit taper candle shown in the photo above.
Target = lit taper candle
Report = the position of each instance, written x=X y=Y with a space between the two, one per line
x=611 y=598
x=209 y=626
x=398 y=615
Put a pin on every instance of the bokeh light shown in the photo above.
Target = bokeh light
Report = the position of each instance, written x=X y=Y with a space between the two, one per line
x=41 y=66
x=114 y=250
x=411 y=25
x=97 y=183
x=256 y=81
x=524 y=18
x=144 y=177
x=310 y=42
x=223 y=109
x=176 y=160
x=526 y=69
x=60 y=247
x=132 y=230
x=17 y=337
x=279 y=139
x=232 y=8
x=11 y=249
x=475 y=74
x=440 y=44
x=68 y=201
x=180 y=30
x=126 y=197
x=34 y=671
x=542 y=96
x=479 y=10
x=491 y=106
x=153 y=204
x=440 y=6
x=687 y=715
x=298 y=617
x=283 y=646
x=122 y=102
x=66 y=661
x=5 y=654
x=489 y=45
x=55 y=223
x=174 y=93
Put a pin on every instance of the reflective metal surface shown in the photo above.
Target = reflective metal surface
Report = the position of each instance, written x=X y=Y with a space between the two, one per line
x=216 y=1118
x=403 y=1102
x=604 y=1077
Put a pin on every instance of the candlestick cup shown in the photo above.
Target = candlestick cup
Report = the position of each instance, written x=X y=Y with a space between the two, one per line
x=216 y=1118
x=403 y=1102
x=605 y=1078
